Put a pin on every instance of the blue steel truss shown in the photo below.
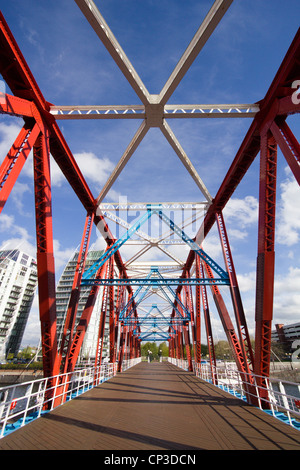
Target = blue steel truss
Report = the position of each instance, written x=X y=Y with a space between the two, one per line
x=150 y=321
x=157 y=282
x=129 y=308
x=87 y=278
x=154 y=280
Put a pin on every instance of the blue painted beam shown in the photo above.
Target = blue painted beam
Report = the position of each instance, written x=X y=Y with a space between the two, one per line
x=157 y=282
x=90 y=272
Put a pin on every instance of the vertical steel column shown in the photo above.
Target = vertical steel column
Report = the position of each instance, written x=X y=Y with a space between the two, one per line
x=190 y=308
x=242 y=365
x=289 y=146
x=122 y=303
x=208 y=328
x=45 y=258
x=198 y=311
x=171 y=347
x=113 y=327
x=123 y=337
x=179 y=342
x=105 y=303
x=111 y=313
x=186 y=336
x=172 y=351
x=265 y=259
x=122 y=346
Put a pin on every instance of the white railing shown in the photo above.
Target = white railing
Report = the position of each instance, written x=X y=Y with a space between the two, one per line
x=283 y=397
x=21 y=403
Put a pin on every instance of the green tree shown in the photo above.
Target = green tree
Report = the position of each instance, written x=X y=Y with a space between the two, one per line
x=223 y=350
x=149 y=347
x=164 y=348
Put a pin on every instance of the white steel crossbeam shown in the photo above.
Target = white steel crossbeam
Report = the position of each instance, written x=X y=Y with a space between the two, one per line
x=138 y=137
x=135 y=206
x=154 y=104
x=170 y=111
x=168 y=133
x=103 y=31
x=207 y=27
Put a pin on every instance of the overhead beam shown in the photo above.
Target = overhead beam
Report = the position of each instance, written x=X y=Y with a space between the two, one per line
x=135 y=141
x=171 y=138
x=207 y=27
x=108 y=39
x=156 y=282
x=174 y=111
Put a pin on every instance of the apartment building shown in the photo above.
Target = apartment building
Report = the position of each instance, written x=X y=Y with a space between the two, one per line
x=63 y=292
x=18 y=282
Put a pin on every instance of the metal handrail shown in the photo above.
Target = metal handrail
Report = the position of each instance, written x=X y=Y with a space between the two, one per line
x=23 y=402
x=280 y=404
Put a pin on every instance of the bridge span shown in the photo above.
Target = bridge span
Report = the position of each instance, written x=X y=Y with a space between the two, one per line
x=155 y=407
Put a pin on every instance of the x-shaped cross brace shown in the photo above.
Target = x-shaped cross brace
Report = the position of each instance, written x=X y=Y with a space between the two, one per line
x=154 y=104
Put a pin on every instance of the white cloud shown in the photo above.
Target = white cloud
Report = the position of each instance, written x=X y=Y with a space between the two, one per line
x=8 y=134
x=288 y=228
x=94 y=168
x=61 y=256
x=6 y=222
x=287 y=297
x=17 y=236
x=22 y=243
x=243 y=213
x=247 y=282
x=17 y=195
x=212 y=246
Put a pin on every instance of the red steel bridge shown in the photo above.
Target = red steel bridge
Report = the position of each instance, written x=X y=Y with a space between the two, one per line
x=181 y=285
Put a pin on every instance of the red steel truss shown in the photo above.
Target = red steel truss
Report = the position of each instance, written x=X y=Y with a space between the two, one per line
x=42 y=134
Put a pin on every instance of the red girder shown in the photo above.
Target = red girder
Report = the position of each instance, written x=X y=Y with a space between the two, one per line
x=266 y=255
x=45 y=258
x=289 y=146
x=106 y=303
x=69 y=325
x=190 y=308
x=15 y=160
x=234 y=343
x=198 y=311
x=111 y=312
x=20 y=80
x=208 y=328
x=30 y=103
x=271 y=106
x=274 y=109
x=84 y=322
x=185 y=334
x=235 y=292
x=120 y=304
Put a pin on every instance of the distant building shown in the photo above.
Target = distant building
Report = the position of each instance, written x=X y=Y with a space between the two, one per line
x=18 y=282
x=63 y=293
x=286 y=334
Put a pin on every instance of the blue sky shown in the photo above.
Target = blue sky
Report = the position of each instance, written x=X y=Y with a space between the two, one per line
x=237 y=65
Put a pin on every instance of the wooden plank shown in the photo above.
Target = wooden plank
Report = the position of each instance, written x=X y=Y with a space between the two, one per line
x=155 y=406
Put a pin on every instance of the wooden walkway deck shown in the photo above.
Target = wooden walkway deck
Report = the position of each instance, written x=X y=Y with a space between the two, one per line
x=155 y=407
